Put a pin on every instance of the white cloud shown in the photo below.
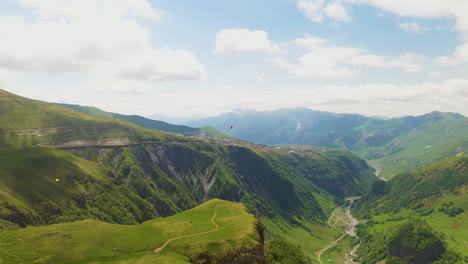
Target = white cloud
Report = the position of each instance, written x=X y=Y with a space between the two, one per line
x=237 y=40
x=79 y=9
x=317 y=10
x=446 y=61
x=259 y=79
x=413 y=27
x=425 y=9
x=7 y=80
x=94 y=37
x=461 y=52
x=457 y=58
x=309 y=42
x=326 y=61
x=408 y=62
x=337 y=11
x=436 y=74
x=313 y=9
x=126 y=87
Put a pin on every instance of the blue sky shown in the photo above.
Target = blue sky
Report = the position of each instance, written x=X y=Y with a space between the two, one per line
x=206 y=57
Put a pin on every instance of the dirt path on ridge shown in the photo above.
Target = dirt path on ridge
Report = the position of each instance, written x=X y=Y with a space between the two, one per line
x=159 y=249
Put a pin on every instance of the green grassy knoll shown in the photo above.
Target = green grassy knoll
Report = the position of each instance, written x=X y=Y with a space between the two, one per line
x=217 y=228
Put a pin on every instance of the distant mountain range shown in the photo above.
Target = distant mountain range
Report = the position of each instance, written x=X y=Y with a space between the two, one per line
x=174 y=120
x=391 y=145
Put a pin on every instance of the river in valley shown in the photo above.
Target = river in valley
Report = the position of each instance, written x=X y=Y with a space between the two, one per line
x=349 y=230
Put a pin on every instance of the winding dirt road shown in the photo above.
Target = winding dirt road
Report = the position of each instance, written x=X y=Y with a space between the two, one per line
x=349 y=230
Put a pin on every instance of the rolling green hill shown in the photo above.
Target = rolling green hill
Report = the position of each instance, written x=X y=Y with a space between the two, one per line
x=128 y=174
x=431 y=201
x=25 y=122
x=149 y=123
x=392 y=146
x=214 y=231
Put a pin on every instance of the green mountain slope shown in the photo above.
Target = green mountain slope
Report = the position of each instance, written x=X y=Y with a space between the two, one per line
x=214 y=231
x=432 y=200
x=25 y=122
x=44 y=185
x=149 y=123
x=393 y=146
x=129 y=174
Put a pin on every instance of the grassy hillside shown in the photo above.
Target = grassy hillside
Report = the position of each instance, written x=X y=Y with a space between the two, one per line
x=149 y=123
x=25 y=122
x=216 y=230
x=44 y=185
x=393 y=146
x=434 y=196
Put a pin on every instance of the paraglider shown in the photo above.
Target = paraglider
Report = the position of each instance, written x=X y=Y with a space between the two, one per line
x=231 y=127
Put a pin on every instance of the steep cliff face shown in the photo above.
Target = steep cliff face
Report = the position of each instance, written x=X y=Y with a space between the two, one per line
x=176 y=176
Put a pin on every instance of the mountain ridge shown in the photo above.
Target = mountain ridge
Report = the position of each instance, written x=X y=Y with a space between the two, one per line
x=381 y=142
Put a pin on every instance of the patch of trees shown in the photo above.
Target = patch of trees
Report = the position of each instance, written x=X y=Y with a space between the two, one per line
x=450 y=210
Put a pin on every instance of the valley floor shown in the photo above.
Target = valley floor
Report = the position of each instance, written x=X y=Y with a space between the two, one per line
x=343 y=249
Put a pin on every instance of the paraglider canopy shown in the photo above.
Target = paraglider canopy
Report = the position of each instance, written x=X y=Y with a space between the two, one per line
x=57 y=180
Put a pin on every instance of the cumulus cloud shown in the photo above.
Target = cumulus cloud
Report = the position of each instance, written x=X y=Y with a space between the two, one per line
x=461 y=53
x=409 y=62
x=456 y=9
x=318 y=10
x=326 y=62
x=337 y=11
x=413 y=27
x=309 y=42
x=94 y=37
x=323 y=60
x=457 y=58
x=78 y=9
x=237 y=40
x=446 y=61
